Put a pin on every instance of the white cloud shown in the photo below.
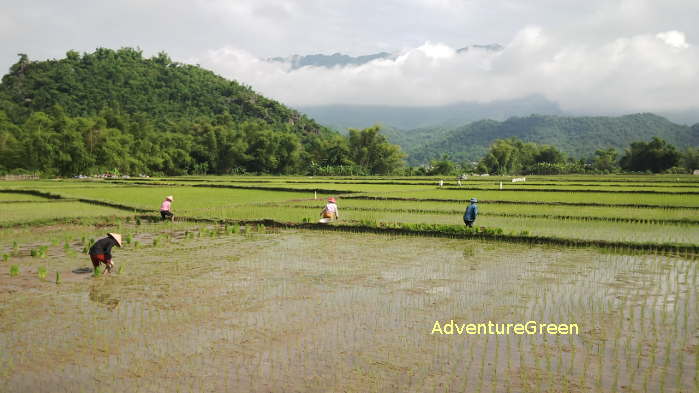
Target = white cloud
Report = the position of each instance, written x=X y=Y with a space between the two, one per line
x=639 y=73
x=674 y=38
x=595 y=55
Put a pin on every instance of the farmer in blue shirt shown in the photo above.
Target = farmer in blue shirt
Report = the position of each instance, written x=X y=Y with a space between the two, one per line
x=471 y=213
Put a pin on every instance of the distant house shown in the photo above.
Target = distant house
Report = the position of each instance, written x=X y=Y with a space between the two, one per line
x=696 y=171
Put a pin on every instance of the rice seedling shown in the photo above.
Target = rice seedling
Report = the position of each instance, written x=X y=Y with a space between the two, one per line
x=58 y=277
x=97 y=272
x=41 y=272
x=361 y=280
x=14 y=270
x=5 y=257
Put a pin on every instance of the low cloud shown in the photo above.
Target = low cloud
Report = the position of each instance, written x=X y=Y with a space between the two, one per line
x=645 y=72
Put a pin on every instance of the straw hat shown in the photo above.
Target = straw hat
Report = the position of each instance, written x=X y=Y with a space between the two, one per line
x=116 y=237
x=169 y=198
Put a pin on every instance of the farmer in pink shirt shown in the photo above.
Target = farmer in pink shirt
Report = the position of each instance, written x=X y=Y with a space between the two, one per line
x=330 y=210
x=166 y=209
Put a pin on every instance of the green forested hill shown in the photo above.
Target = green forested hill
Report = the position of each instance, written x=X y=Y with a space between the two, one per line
x=125 y=81
x=577 y=136
x=116 y=111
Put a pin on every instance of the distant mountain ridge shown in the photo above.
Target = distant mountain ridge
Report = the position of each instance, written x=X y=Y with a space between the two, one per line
x=328 y=61
x=579 y=137
x=342 y=60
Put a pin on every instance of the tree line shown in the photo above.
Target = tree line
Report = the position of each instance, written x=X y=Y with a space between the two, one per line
x=54 y=144
x=514 y=156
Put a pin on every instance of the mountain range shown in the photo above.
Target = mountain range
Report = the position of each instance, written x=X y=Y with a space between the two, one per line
x=342 y=60
x=578 y=137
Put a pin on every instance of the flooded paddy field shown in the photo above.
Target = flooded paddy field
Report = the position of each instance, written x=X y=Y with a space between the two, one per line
x=196 y=308
x=246 y=292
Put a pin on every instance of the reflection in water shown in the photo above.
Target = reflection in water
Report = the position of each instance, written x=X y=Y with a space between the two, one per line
x=318 y=312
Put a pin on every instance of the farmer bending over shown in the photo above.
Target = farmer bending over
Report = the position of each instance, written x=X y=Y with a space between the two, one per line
x=101 y=251
x=330 y=210
x=471 y=213
x=166 y=209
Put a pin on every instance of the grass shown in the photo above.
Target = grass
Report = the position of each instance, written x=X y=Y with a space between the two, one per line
x=21 y=213
x=566 y=197
x=188 y=200
x=487 y=209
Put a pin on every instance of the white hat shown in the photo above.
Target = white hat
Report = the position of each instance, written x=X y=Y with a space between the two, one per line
x=169 y=198
x=116 y=237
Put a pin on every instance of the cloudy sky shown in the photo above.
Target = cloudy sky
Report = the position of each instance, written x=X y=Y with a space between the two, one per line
x=594 y=56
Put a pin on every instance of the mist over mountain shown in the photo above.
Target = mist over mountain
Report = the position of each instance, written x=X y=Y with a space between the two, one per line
x=342 y=60
x=341 y=117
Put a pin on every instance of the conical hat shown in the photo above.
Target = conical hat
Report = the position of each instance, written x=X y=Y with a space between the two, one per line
x=116 y=237
x=169 y=198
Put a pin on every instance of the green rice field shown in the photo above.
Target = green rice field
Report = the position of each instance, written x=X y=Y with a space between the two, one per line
x=565 y=284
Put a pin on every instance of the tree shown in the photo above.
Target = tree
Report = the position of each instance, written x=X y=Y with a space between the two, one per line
x=444 y=166
x=655 y=156
x=605 y=160
x=690 y=159
x=548 y=154
x=371 y=150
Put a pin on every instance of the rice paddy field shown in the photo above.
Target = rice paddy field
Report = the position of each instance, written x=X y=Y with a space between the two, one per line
x=565 y=284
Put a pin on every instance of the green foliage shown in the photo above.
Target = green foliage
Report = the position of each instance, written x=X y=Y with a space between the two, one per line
x=605 y=160
x=577 y=137
x=370 y=149
x=41 y=272
x=444 y=166
x=690 y=158
x=655 y=156
x=39 y=252
x=513 y=156
x=5 y=257
x=14 y=270
x=118 y=112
